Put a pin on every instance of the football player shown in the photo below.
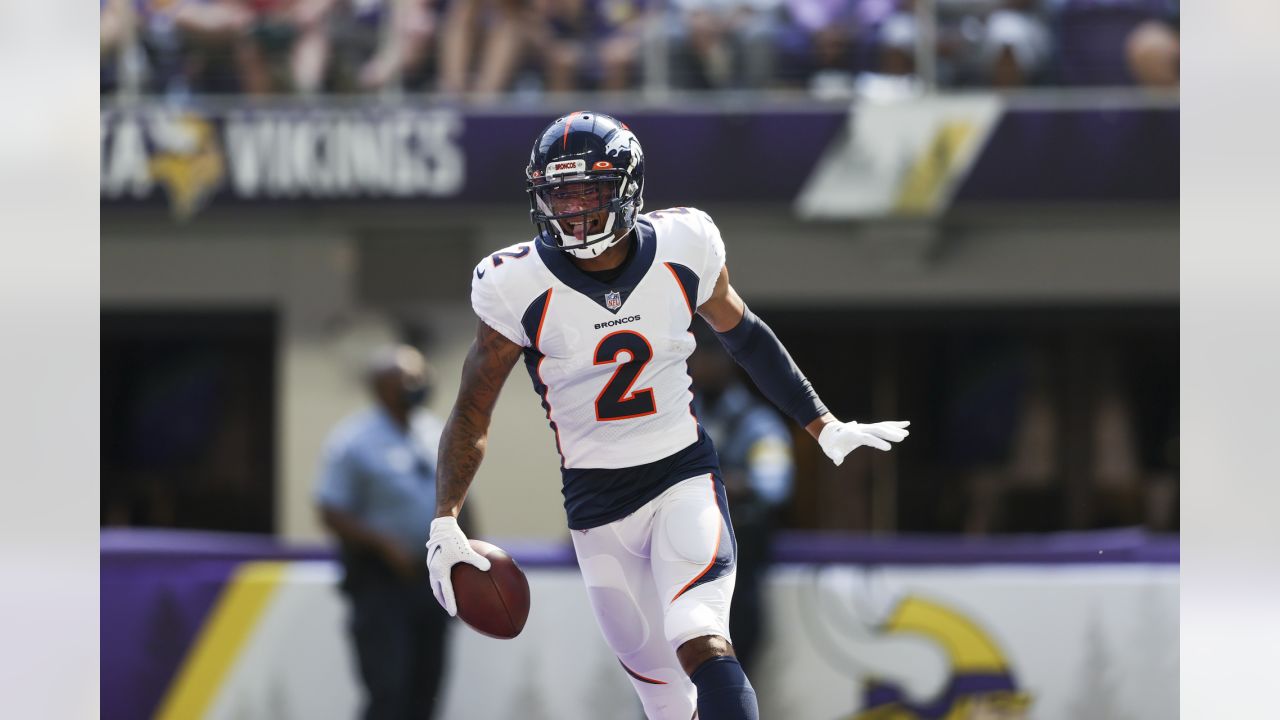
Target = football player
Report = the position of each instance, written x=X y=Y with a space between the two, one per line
x=599 y=305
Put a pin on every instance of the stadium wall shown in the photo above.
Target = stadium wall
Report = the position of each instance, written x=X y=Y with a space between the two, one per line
x=1054 y=627
x=339 y=280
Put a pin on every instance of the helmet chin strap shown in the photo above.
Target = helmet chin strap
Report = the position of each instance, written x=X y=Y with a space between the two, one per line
x=592 y=245
x=590 y=251
x=593 y=251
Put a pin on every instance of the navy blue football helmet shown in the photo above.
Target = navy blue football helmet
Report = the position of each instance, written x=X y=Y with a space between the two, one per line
x=586 y=147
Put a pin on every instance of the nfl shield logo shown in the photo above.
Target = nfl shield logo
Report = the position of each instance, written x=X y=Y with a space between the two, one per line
x=613 y=299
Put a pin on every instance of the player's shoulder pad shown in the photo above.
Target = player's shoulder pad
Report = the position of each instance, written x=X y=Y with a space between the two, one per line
x=689 y=219
x=504 y=283
x=505 y=258
x=686 y=230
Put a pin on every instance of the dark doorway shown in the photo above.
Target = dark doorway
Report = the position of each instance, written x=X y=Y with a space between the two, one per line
x=188 y=419
x=1023 y=419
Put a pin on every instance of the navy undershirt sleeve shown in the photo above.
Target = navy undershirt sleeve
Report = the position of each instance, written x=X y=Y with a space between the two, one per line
x=754 y=346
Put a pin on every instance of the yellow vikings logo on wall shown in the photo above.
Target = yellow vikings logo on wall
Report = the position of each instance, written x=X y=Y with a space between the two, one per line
x=187 y=161
x=981 y=685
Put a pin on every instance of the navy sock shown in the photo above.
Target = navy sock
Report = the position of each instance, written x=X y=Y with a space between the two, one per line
x=724 y=692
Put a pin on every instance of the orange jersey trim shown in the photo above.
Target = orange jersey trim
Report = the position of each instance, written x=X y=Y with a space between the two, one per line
x=537 y=338
x=687 y=301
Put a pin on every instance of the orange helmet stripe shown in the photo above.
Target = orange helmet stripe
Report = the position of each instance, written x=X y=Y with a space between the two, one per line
x=567 y=124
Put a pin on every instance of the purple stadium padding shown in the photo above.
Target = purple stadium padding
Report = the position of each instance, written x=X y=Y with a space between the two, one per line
x=1129 y=545
x=1103 y=156
x=158 y=586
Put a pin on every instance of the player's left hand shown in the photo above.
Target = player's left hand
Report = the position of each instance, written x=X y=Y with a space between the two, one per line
x=838 y=439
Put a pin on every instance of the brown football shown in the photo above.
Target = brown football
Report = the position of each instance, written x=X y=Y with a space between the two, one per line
x=495 y=603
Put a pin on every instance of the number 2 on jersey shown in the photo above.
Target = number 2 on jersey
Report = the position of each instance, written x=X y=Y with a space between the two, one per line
x=617 y=401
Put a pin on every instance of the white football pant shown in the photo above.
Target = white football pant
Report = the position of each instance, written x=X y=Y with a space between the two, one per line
x=657 y=578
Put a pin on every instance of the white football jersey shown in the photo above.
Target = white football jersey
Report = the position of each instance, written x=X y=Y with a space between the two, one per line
x=609 y=359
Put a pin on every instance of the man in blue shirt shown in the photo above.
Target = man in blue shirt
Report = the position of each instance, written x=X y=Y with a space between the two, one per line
x=376 y=493
x=756 y=459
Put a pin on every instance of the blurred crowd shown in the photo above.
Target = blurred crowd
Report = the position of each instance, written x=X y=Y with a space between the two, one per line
x=489 y=48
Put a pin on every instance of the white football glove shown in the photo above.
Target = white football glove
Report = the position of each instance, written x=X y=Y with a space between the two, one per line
x=838 y=439
x=447 y=547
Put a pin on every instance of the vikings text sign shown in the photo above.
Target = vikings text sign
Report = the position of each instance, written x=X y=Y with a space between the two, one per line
x=190 y=158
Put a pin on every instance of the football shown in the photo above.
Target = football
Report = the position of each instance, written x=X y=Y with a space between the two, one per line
x=494 y=603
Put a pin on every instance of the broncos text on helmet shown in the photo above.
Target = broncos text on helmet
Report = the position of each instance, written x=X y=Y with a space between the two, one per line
x=580 y=149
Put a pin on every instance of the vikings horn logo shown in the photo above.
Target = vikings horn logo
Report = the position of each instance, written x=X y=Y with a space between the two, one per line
x=981 y=687
x=187 y=161
x=912 y=657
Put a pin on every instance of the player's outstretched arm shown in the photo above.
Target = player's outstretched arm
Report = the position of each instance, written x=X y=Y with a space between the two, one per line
x=754 y=346
x=462 y=445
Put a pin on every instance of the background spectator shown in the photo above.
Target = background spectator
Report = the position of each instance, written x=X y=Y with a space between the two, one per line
x=998 y=42
x=1153 y=51
x=191 y=47
x=491 y=47
x=825 y=43
x=379 y=44
x=723 y=43
x=588 y=43
x=494 y=26
x=287 y=46
x=1003 y=425
x=117 y=29
x=1117 y=42
x=376 y=493
x=115 y=24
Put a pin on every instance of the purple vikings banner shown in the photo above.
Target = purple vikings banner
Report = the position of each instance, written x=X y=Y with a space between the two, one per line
x=195 y=159
x=170 y=597
x=1122 y=155
x=192 y=159
x=157 y=589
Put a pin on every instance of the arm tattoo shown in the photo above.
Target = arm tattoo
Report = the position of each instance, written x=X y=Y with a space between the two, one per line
x=465 y=435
